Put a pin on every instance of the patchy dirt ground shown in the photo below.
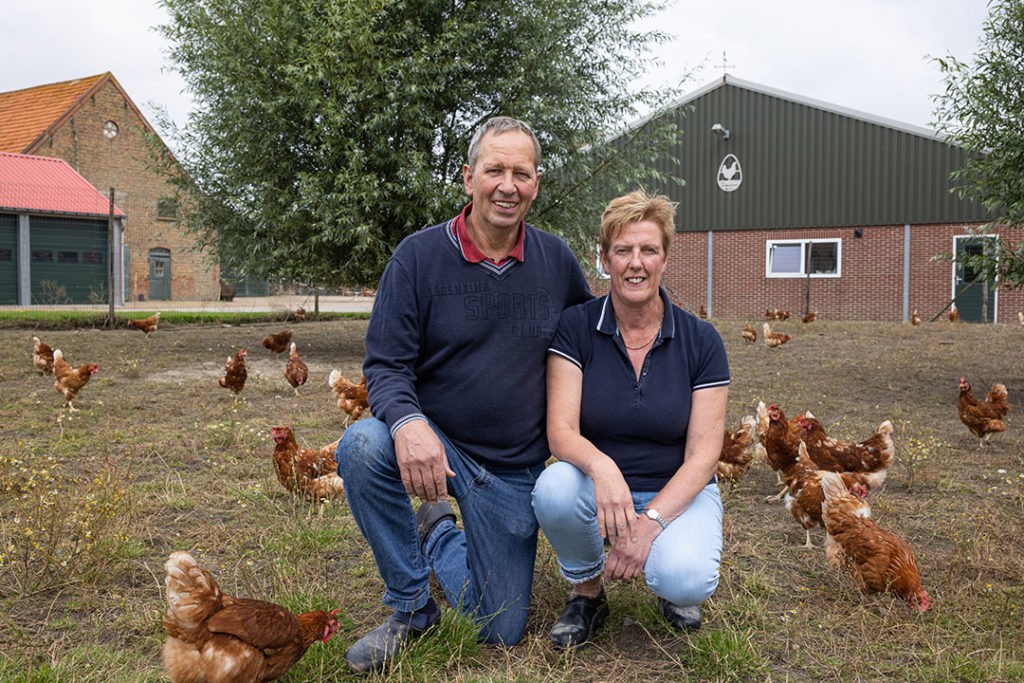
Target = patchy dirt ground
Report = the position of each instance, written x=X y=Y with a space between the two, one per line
x=193 y=463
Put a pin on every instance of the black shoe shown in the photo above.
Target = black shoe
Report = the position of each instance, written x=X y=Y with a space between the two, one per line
x=686 y=618
x=379 y=646
x=430 y=515
x=580 y=620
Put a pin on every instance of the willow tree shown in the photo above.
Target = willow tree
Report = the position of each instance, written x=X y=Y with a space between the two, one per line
x=982 y=109
x=324 y=131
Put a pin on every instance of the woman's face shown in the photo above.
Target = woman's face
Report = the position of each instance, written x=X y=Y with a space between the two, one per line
x=636 y=260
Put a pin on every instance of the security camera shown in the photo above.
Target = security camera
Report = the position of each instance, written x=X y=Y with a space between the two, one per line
x=719 y=129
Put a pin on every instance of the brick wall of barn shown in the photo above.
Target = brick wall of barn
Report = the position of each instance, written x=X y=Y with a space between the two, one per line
x=869 y=288
x=123 y=162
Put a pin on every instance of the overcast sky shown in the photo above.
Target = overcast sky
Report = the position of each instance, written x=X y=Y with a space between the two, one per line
x=869 y=55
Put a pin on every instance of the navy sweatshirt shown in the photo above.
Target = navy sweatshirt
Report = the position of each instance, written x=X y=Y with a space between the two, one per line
x=464 y=344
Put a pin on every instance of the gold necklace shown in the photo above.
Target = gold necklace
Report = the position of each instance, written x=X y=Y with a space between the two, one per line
x=640 y=346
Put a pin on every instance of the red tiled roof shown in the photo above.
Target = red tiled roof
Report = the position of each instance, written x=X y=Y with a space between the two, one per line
x=26 y=115
x=43 y=184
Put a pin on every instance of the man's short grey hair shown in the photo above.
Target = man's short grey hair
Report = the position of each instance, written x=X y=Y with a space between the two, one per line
x=499 y=125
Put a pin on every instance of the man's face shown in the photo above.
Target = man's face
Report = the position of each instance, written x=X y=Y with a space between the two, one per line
x=504 y=181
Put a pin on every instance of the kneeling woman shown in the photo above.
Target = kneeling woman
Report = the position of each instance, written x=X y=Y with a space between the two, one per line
x=637 y=392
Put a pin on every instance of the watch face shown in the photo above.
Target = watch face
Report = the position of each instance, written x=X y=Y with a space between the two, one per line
x=110 y=129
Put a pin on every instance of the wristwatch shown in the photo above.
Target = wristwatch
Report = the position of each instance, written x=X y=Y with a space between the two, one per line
x=651 y=513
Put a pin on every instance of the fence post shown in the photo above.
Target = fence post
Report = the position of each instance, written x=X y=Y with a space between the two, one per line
x=111 y=242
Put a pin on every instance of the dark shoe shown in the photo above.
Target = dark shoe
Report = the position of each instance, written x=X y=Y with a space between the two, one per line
x=379 y=646
x=430 y=515
x=686 y=618
x=580 y=620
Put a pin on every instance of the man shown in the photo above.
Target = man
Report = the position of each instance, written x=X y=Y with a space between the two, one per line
x=455 y=356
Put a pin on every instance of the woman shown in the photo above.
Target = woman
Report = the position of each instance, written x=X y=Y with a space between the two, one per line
x=637 y=393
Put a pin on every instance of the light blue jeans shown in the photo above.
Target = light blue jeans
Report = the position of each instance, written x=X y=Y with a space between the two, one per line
x=485 y=570
x=683 y=563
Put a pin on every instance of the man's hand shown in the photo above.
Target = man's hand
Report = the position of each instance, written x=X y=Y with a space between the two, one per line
x=422 y=461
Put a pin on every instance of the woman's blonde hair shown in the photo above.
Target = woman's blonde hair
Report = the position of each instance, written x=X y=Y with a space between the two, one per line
x=635 y=207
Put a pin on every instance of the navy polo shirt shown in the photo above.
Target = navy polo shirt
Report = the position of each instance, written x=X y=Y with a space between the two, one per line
x=640 y=423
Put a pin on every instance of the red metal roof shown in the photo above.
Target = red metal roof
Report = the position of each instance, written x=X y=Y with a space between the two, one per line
x=45 y=185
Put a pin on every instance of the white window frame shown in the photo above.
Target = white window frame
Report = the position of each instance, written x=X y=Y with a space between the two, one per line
x=803 y=244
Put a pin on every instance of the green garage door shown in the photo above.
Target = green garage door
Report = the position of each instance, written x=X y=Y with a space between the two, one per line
x=68 y=260
x=8 y=259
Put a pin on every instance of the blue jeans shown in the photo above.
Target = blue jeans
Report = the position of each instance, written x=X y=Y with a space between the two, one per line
x=485 y=570
x=683 y=564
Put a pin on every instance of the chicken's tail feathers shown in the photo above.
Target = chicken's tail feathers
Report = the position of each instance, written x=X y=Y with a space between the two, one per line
x=748 y=422
x=761 y=425
x=330 y=449
x=876 y=478
x=327 y=486
x=57 y=353
x=332 y=379
x=998 y=394
x=833 y=487
x=191 y=592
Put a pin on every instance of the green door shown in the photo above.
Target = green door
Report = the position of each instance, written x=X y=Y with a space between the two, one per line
x=159 y=275
x=68 y=258
x=8 y=259
x=976 y=299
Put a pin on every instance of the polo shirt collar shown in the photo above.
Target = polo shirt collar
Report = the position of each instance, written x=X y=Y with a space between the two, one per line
x=470 y=251
x=606 y=320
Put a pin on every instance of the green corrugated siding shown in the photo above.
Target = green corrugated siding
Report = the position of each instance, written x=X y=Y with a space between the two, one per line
x=68 y=260
x=8 y=259
x=804 y=166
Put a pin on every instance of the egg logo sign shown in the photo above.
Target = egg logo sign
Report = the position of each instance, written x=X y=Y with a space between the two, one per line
x=730 y=175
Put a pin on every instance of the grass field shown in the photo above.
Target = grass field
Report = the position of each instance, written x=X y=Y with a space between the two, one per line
x=160 y=458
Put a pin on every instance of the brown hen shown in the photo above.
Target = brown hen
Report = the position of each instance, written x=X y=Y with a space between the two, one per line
x=42 y=356
x=311 y=471
x=874 y=454
x=877 y=559
x=213 y=637
x=983 y=418
x=147 y=325
x=804 y=496
x=68 y=380
x=774 y=339
x=737 y=451
x=352 y=398
x=235 y=373
x=295 y=370
x=278 y=343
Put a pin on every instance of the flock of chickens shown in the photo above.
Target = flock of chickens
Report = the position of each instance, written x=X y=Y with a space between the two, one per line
x=212 y=636
x=826 y=484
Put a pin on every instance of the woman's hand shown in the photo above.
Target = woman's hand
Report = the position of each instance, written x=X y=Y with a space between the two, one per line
x=629 y=551
x=615 y=513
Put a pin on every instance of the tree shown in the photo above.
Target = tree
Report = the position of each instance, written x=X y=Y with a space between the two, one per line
x=327 y=130
x=982 y=110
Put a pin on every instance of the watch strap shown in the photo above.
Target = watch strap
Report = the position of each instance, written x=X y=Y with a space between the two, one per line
x=651 y=513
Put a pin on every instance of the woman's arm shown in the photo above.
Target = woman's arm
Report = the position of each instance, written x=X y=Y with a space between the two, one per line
x=615 y=512
x=704 y=437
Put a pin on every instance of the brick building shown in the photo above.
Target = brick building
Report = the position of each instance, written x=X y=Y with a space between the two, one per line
x=798 y=204
x=94 y=126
